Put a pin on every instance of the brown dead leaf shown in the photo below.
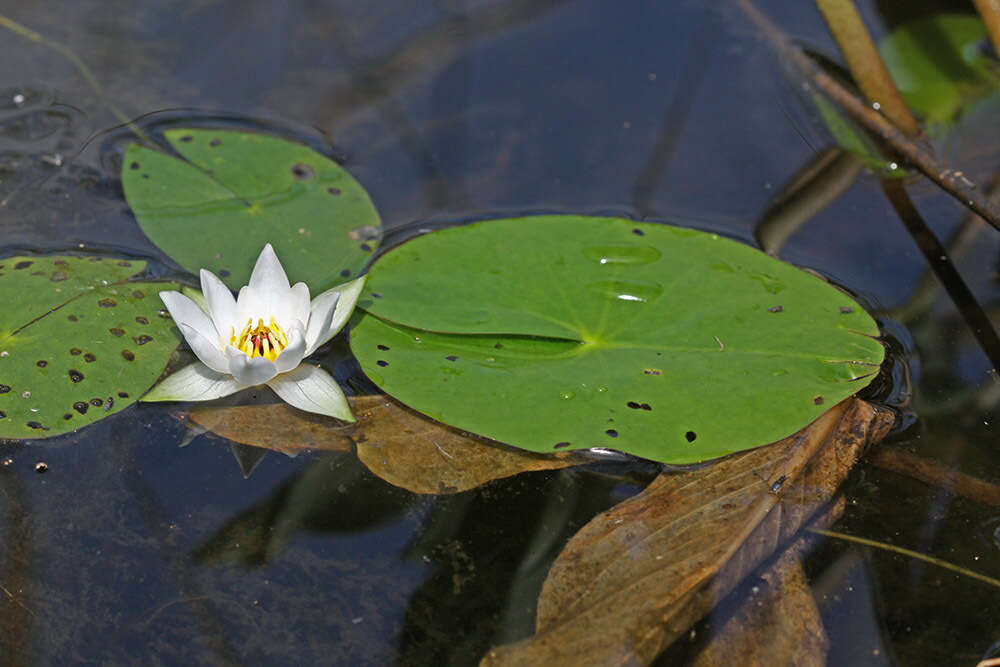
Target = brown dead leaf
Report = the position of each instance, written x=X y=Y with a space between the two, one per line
x=399 y=445
x=413 y=452
x=637 y=576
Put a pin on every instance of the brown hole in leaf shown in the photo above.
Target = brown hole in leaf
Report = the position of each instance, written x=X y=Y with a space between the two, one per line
x=382 y=347
x=215 y=142
x=75 y=375
x=187 y=138
x=75 y=351
x=116 y=331
x=691 y=436
x=345 y=273
x=90 y=357
x=451 y=357
x=775 y=309
x=123 y=394
x=844 y=310
x=41 y=363
x=302 y=172
x=72 y=318
x=141 y=320
x=366 y=247
x=58 y=276
x=498 y=346
x=613 y=433
x=96 y=402
x=23 y=265
x=638 y=232
x=560 y=445
x=4 y=389
x=142 y=339
x=124 y=262
x=134 y=166
x=376 y=295
x=3 y=415
x=333 y=191
x=652 y=371
x=138 y=294
x=107 y=303
x=36 y=425
x=646 y=406
x=68 y=415
x=382 y=363
x=81 y=407
x=633 y=405
x=818 y=400
x=128 y=355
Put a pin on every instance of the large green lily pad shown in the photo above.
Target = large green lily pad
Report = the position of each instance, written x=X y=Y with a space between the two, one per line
x=568 y=332
x=240 y=190
x=78 y=342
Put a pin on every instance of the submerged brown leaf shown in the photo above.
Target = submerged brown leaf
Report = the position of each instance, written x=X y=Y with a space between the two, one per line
x=637 y=576
x=399 y=445
x=411 y=451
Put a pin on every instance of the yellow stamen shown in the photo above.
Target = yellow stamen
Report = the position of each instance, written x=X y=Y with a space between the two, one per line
x=260 y=341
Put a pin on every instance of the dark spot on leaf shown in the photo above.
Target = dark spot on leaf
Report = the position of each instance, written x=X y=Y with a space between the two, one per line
x=638 y=232
x=123 y=394
x=652 y=371
x=23 y=265
x=116 y=331
x=376 y=295
x=72 y=318
x=4 y=389
x=142 y=339
x=81 y=407
x=224 y=273
x=498 y=346
x=613 y=433
x=560 y=445
x=124 y=263
x=382 y=363
x=141 y=320
x=333 y=191
x=41 y=363
x=107 y=303
x=128 y=355
x=90 y=357
x=382 y=347
x=68 y=415
x=844 y=310
x=646 y=406
x=818 y=400
x=3 y=415
x=187 y=138
x=302 y=172
x=366 y=247
x=690 y=435
x=139 y=294
x=345 y=273
x=145 y=176
x=451 y=357
x=134 y=166
x=633 y=405
x=58 y=276
x=75 y=351
x=96 y=402
x=75 y=375
x=215 y=142
x=36 y=425
x=775 y=309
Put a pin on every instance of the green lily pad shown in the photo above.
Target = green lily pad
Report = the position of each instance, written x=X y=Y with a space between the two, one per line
x=78 y=342
x=240 y=190
x=568 y=332
x=940 y=64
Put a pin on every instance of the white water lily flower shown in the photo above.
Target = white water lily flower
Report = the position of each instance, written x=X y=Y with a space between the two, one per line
x=259 y=338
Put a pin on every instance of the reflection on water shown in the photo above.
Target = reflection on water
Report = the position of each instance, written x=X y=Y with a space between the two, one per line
x=128 y=547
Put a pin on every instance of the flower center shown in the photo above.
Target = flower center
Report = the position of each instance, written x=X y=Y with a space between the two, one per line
x=261 y=341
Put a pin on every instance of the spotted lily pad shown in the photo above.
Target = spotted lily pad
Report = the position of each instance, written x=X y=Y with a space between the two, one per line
x=238 y=191
x=78 y=341
x=565 y=332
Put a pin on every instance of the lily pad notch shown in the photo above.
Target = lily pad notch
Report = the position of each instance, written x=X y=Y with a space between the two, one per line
x=555 y=333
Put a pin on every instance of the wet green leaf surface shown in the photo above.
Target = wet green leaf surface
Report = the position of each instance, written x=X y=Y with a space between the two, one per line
x=568 y=332
x=240 y=190
x=77 y=342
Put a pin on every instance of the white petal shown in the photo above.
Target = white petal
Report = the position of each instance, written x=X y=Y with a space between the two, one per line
x=292 y=355
x=249 y=306
x=221 y=304
x=206 y=350
x=296 y=306
x=268 y=278
x=312 y=389
x=249 y=371
x=325 y=329
x=196 y=296
x=196 y=382
x=186 y=311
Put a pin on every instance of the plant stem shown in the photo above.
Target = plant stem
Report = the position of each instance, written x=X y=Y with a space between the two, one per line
x=952 y=181
x=865 y=62
x=990 y=11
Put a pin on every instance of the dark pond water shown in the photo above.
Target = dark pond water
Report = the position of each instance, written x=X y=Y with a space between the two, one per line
x=131 y=550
